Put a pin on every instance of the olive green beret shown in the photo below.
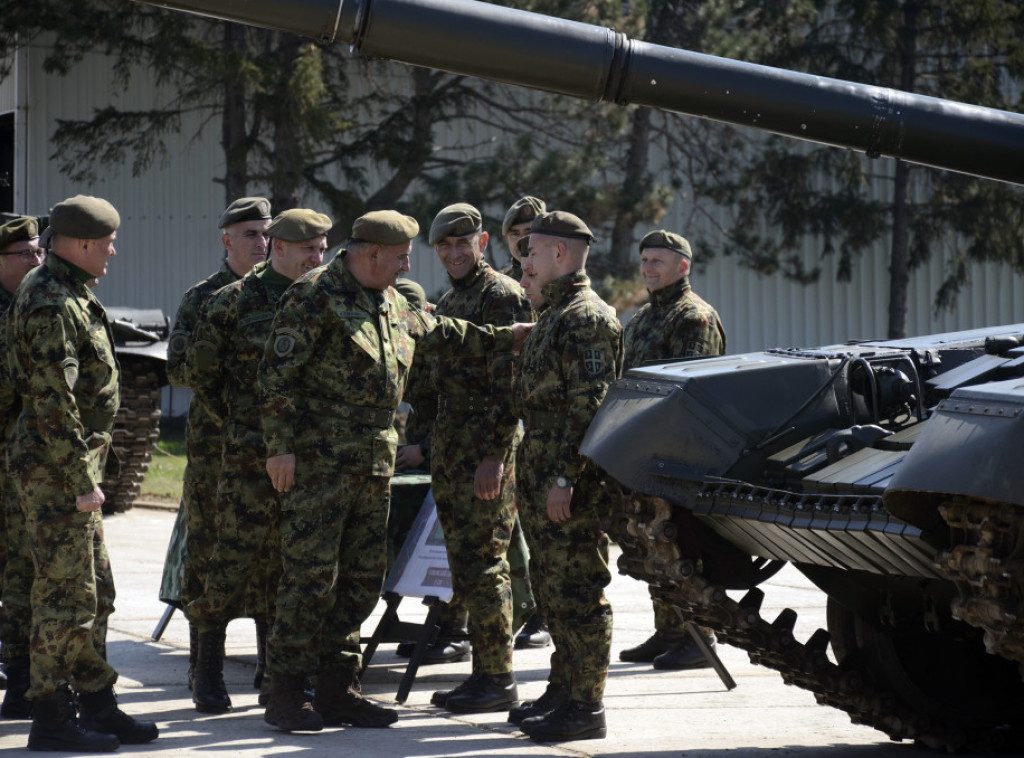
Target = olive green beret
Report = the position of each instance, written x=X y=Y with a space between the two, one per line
x=298 y=224
x=667 y=240
x=245 y=209
x=455 y=221
x=524 y=209
x=385 y=228
x=413 y=293
x=84 y=217
x=18 y=230
x=561 y=224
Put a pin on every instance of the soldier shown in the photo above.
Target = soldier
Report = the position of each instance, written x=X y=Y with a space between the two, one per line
x=19 y=254
x=331 y=377
x=62 y=359
x=226 y=348
x=515 y=226
x=475 y=436
x=676 y=323
x=242 y=225
x=567 y=364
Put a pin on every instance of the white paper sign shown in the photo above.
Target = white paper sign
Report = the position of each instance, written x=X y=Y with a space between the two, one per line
x=421 y=568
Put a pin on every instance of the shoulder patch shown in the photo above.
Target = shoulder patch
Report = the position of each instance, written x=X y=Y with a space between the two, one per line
x=284 y=342
x=70 y=366
x=593 y=360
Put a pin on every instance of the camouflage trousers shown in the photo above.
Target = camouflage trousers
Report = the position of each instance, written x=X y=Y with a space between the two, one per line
x=203 y=443
x=476 y=536
x=72 y=596
x=333 y=559
x=18 y=573
x=246 y=557
x=569 y=571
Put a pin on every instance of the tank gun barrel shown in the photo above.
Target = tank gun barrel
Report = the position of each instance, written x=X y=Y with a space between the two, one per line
x=599 y=64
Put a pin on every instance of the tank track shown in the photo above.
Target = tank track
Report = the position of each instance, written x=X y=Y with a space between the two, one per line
x=136 y=431
x=986 y=563
x=644 y=529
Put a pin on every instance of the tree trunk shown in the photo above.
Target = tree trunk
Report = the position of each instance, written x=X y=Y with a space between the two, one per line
x=633 y=185
x=286 y=171
x=233 y=137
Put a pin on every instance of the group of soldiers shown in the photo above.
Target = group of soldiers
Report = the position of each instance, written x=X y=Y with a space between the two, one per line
x=297 y=370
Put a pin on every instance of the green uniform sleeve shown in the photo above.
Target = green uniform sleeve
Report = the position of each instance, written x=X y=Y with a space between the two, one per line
x=206 y=356
x=507 y=308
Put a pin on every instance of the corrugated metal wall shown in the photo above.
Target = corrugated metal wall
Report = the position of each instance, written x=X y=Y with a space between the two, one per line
x=169 y=237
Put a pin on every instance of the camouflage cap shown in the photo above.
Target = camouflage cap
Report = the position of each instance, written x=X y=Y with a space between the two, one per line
x=524 y=209
x=561 y=224
x=413 y=293
x=667 y=240
x=245 y=209
x=455 y=221
x=298 y=224
x=83 y=217
x=18 y=230
x=385 y=228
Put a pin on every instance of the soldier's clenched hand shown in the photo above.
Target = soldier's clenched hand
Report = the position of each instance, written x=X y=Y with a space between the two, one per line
x=282 y=471
x=91 y=502
x=559 y=500
x=487 y=482
x=519 y=334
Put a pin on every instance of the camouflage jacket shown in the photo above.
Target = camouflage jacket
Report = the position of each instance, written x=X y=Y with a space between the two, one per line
x=10 y=403
x=676 y=323
x=569 y=360
x=483 y=297
x=514 y=271
x=228 y=343
x=187 y=317
x=62 y=358
x=336 y=364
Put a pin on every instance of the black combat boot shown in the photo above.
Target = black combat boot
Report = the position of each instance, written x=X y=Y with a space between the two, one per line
x=15 y=705
x=54 y=727
x=573 y=720
x=652 y=647
x=684 y=656
x=289 y=708
x=209 y=692
x=193 y=652
x=440 y=697
x=99 y=712
x=534 y=633
x=554 y=696
x=262 y=629
x=487 y=693
x=338 y=700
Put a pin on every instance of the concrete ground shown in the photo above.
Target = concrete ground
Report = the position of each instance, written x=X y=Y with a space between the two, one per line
x=650 y=713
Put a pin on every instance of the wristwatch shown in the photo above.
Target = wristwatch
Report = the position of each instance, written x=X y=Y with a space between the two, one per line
x=562 y=482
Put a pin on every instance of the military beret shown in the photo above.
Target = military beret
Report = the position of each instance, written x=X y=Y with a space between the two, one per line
x=245 y=209
x=385 y=228
x=668 y=240
x=523 y=245
x=298 y=224
x=561 y=224
x=455 y=221
x=413 y=293
x=524 y=209
x=18 y=230
x=83 y=217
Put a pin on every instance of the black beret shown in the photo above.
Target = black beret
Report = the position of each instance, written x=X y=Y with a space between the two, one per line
x=18 y=230
x=413 y=293
x=523 y=245
x=455 y=221
x=385 y=228
x=298 y=224
x=83 y=217
x=245 y=209
x=524 y=209
x=667 y=240
x=561 y=224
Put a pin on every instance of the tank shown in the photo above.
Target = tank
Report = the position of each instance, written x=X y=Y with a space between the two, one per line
x=886 y=472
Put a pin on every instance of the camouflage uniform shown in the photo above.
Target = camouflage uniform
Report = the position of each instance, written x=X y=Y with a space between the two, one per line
x=203 y=441
x=567 y=364
x=475 y=419
x=332 y=376
x=514 y=270
x=225 y=351
x=17 y=571
x=676 y=323
x=62 y=356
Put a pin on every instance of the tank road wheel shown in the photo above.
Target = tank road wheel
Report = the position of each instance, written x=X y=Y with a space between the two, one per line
x=946 y=679
x=136 y=431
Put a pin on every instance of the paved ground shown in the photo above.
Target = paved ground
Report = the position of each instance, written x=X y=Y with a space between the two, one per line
x=652 y=714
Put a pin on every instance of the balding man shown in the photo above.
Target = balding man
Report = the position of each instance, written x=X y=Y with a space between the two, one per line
x=567 y=364
x=62 y=357
x=332 y=377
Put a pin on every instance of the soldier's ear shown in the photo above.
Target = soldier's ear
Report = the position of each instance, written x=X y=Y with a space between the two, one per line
x=684 y=267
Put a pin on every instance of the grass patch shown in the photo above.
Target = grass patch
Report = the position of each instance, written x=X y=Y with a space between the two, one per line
x=167 y=468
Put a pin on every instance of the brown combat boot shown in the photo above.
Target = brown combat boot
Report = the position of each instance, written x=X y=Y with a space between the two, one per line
x=289 y=709
x=338 y=700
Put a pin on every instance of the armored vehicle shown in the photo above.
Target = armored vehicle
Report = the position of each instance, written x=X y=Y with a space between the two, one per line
x=886 y=472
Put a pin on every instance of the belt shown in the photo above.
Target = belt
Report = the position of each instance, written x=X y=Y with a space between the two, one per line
x=97 y=421
x=544 y=420
x=382 y=418
x=464 y=403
